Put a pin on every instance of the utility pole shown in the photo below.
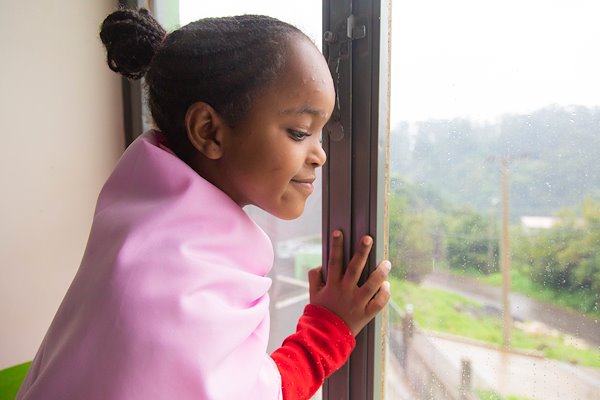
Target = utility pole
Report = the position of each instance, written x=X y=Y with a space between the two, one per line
x=505 y=254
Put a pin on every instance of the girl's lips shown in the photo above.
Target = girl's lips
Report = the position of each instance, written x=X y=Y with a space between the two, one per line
x=304 y=185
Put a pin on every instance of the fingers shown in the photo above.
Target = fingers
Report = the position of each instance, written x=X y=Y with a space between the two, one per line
x=376 y=280
x=336 y=256
x=378 y=302
x=358 y=261
x=315 y=280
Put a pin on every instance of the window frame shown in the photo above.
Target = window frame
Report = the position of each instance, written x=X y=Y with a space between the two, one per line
x=356 y=45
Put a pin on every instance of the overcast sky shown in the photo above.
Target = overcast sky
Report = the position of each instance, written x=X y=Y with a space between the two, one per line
x=468 y=58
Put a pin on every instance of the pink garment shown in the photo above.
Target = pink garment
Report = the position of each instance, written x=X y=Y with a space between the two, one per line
x=170 y=300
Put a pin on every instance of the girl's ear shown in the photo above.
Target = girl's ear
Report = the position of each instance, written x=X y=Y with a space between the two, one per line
x=204 y=129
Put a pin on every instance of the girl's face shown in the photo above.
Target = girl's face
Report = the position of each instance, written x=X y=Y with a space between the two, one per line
x=269 y=159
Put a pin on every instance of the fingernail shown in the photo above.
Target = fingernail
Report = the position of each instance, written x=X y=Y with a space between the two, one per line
x=367 y=240
x=386 y=285
x=387 y=266
x=337 y=234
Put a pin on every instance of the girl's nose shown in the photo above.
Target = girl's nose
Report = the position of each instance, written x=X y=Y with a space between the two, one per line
x=317 y=156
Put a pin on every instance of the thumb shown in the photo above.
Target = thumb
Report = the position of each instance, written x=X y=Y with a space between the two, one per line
x=315 y=280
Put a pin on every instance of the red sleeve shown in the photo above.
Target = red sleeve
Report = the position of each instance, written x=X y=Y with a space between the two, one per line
x=322 y=344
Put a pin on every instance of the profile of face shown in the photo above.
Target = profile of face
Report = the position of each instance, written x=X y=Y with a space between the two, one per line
x=269 y=159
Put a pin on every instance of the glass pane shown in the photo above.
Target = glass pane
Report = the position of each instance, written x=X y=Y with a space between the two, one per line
x=495 y=200
x=297 y=244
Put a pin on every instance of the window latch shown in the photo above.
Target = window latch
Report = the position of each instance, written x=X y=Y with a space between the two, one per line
x=355 y=30
x=339 y=41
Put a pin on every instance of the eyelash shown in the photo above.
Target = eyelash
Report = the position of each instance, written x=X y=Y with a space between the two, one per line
x=298 y=136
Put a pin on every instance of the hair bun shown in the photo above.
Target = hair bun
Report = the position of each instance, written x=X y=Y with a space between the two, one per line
x=131 y=38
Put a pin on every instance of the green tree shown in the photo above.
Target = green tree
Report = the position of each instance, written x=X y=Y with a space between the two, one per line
x=587 y=271
x=469 y=244
x=567 y=257
x=415 y=235
x=411 y=243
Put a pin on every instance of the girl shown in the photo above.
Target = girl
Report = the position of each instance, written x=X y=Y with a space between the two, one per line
x=170 y=300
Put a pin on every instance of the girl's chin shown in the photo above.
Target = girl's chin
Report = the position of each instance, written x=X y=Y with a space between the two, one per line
x=288 y=216
x=288 y=212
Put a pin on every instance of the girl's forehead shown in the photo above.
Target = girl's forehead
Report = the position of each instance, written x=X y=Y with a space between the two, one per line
x=305 y=71
x=304 y=86
x=306 y=61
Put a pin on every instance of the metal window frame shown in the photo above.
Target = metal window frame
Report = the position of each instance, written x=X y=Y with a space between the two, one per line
x=355 y=44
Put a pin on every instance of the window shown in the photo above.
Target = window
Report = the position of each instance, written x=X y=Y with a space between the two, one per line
x=493 y=200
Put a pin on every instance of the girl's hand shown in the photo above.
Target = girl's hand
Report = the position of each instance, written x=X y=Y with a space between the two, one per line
x=356 y=306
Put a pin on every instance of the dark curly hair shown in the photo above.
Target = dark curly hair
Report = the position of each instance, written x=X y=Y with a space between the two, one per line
x=224 y=62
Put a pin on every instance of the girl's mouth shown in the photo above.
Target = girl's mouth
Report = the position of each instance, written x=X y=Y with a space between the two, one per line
x=304 y=185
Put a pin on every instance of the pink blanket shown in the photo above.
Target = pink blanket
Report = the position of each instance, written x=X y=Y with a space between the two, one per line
x=170 y=300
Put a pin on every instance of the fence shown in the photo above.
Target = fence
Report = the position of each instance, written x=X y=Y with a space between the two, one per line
x=430 y=374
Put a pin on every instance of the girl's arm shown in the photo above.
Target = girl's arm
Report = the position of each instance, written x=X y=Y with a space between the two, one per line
x=321 y=344
x=339 y=309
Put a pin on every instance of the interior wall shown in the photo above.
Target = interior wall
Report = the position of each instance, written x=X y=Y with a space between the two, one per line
x=62 y=132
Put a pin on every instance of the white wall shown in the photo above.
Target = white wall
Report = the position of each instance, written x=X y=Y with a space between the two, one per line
x=61 y=134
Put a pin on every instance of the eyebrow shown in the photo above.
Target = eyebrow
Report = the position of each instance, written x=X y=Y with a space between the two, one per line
x=304 y=109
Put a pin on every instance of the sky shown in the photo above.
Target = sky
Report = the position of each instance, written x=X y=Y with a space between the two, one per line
x=476 y=59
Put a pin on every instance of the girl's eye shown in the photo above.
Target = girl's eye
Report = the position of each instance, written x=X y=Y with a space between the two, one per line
x=297 y=135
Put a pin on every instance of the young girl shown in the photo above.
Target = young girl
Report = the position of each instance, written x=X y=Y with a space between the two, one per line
x=170 y=300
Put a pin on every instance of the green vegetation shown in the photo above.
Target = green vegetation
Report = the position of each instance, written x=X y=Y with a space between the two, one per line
x=560 y=265
x=427 y=231
x=577 y=300
x=491 y=395
x=444 y=213
x=10 y=380
x=412 y=234
x=443 y=311
x=566 y=258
